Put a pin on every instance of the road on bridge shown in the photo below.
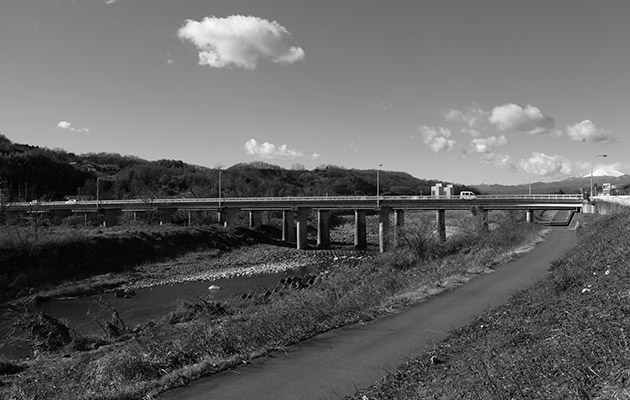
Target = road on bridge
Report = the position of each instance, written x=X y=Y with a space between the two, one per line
x=335 y=364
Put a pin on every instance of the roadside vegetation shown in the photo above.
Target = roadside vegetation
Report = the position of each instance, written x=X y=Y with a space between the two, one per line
x=564 y=338
x=35 y=257
x=203 y=337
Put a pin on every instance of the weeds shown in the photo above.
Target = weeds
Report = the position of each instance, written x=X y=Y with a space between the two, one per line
x=204 y=337
x=565 y=338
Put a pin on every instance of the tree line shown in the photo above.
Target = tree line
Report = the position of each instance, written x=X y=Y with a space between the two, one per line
x=32 y=173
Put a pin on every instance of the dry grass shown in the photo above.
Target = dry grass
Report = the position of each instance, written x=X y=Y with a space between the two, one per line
x=203 y=337
x=565 y=338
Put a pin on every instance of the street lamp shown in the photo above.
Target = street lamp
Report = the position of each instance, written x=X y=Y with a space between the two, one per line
x=378 y=184
x=592 y=159
x=220 y=172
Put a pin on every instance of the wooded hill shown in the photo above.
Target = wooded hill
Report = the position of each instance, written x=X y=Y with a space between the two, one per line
x=33 y=173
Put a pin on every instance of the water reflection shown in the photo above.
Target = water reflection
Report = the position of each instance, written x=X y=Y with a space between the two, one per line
x=86 y=315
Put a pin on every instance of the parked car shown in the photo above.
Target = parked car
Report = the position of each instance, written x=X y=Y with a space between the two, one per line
x=466 y=195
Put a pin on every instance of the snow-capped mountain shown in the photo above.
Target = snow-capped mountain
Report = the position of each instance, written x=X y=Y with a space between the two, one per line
x=605 y=172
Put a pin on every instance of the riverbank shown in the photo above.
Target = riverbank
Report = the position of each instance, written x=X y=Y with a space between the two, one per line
x=564 y=338
x=34 y=260
x=204 y=337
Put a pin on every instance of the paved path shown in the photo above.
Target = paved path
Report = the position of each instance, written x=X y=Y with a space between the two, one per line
x=335 y=364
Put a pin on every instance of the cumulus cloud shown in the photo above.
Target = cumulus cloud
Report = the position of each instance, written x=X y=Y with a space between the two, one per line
x=271 y=151
x=437 y=138
x=546 y=165
x=514 y=118
x=586 y=131
x=487 y=145
x=108 y=2
x=240 y=41
x=472 y=120
x=65 y=125
x=502 y=161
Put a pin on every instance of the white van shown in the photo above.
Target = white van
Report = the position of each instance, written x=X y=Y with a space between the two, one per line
x=466 y=195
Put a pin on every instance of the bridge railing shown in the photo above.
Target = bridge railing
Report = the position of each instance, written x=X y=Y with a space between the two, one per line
x=227 y=200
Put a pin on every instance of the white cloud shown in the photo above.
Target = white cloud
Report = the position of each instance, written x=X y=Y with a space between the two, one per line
x=586 y=131
x=487 y=145
x=502 y=161
x=108 y=2
x=472 y=120
x=514 y=118
x=437 y=138
x=270 y=151
x=240 y=41
x=546 y=165
x=65 y=125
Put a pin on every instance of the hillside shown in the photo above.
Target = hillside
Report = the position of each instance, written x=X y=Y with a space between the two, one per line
x=34 y=173
x=566 y=186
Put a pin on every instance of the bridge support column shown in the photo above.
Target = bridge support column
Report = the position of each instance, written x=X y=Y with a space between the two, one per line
x=110 y=217
x=288 y=226
x=57 y=216
x=323 y=229
x=360 y=239
x=484 y=219
x=166 y=215
x=227 y=216
x=302 y=214
x=399 y=222
x=383 y=229
x=255 y=219
x=440 y=222
x=529 y=216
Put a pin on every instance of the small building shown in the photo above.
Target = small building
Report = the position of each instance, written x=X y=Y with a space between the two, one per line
x=439 y=190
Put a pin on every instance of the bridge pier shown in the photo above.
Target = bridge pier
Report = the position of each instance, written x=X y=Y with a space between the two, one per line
x=227 y=216
x=255 y=219
x=529 y=216
x=57 y=216
x=484 y=219
x=383 y=229
x=166 y=215
x=360 y=240
x=110 y=217
x=302 y=214
x=323 y=229
x=440 y=222
x=399 y=222
x=288 y=226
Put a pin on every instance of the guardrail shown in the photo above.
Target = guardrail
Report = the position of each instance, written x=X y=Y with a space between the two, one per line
x=181 y=201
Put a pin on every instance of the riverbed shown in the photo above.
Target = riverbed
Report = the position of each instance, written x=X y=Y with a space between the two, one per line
x=154 y=290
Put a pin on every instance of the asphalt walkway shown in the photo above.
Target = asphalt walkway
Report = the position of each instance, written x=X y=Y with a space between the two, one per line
x=335 y=364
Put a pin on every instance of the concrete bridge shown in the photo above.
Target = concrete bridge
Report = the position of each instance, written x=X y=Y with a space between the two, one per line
x=295 y=211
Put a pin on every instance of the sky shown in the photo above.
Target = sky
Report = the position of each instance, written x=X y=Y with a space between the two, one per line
x=466 y=91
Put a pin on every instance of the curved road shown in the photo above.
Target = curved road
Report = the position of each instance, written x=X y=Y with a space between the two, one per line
x=335 y=364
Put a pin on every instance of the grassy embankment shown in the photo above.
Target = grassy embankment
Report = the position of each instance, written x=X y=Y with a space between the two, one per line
x=567 y=337
x=204 y=337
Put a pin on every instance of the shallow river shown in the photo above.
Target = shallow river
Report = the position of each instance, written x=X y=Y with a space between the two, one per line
x=150 y=303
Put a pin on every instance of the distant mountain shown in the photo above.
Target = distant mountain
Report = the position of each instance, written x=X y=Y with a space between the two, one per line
x=33 y=173
x=573 y=185
x=606 y=172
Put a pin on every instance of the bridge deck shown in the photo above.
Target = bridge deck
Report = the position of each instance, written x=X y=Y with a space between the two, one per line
x=512 y=202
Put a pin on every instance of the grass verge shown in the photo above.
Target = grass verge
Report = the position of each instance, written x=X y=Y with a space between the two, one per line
x=564 y=338
x=204 y=337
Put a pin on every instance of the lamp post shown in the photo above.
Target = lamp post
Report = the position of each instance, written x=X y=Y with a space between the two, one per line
x=220 y=172
x=592 y=159
x=378 y=185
